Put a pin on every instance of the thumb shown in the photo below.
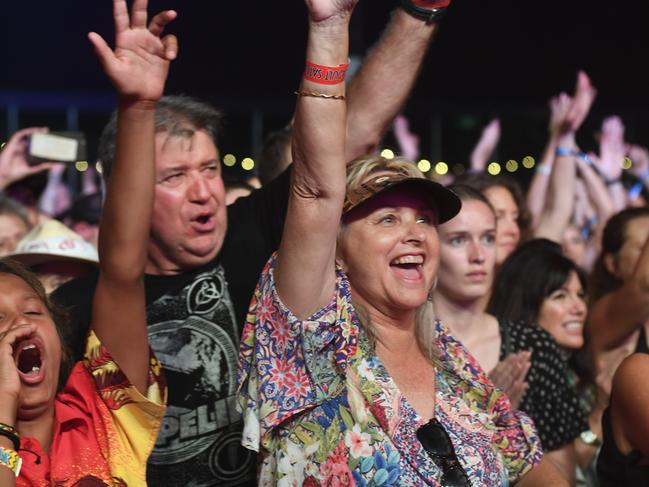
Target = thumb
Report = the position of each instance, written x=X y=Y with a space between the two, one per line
x=104 y=53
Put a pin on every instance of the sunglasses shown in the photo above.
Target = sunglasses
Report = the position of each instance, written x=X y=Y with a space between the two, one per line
x=435 y=440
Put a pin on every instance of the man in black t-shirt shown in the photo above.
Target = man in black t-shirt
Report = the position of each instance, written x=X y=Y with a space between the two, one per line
x=204 y=260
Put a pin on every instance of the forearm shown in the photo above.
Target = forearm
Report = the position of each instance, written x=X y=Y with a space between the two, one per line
x=542 y=475
x=124 y=229
x=319 y=127
x=597 y=191
x=559 y=204
x=304 y=272
x=537 y=192
x=384 y=81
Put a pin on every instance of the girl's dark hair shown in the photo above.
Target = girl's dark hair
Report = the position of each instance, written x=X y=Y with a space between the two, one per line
x=529 y=275
x=59 y=316
x=483 y=181
x=601 y=281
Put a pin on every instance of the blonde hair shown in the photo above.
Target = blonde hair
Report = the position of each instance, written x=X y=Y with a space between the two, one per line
x=358 y=171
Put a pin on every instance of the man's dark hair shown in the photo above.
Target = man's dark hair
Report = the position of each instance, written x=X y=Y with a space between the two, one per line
x=272 y=160
x=178 y=115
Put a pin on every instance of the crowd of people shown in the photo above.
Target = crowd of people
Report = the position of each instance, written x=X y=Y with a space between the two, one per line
x=343 y=319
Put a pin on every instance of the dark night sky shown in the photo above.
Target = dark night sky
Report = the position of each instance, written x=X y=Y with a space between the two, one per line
x=243 y=55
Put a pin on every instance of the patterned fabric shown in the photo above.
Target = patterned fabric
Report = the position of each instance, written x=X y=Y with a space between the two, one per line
x=322 y=409
x=549 y=400
x=104 y=428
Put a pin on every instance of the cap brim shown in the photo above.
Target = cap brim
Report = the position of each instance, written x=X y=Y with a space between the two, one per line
x=446 y=203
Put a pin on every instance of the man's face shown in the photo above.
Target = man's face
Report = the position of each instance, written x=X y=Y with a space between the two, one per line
x=189 y=217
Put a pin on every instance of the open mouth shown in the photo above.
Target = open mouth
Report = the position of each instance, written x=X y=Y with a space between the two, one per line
x=29 y=362
x=408 y=267
x=574 y=327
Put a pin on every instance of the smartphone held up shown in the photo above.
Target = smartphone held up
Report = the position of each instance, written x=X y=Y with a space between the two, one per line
x=56 y=147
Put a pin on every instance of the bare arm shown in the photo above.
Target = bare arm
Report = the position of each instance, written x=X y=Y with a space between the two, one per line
x=304 y=272
x=485 y=146
x=138 y=69
x=611 y=154
x=543 y=475
x=559 y=204
x=629 y=412
x=565 y=461
x=536 y=195
x=381 y=86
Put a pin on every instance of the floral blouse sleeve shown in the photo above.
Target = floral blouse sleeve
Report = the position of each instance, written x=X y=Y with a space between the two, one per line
x=288 y=365
x=514 y=432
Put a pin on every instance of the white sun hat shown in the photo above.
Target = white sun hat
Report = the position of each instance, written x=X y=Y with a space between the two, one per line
x=52 y=241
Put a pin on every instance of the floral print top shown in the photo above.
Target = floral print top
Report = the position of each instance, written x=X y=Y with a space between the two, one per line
x=322 y=410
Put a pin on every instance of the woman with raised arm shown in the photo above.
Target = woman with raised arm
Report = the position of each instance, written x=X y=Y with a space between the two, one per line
x=95 y=424
x=343 y=378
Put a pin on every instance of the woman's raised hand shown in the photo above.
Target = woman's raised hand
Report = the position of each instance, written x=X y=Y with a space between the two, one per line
x=139 y=64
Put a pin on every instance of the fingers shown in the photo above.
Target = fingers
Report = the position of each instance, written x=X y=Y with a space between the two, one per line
x=120 y=15
x=11 y=335
x=43 y=167
x=170 y=43
x=104 y=53
x=160 y=21
x=139 y=14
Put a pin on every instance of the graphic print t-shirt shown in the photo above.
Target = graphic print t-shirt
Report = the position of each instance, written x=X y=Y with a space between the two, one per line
x=195 y=321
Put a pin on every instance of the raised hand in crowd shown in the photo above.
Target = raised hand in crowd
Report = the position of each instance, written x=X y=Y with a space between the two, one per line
x=609 y=162
x=407 y=140
x=486 y=146
x=536 y=195
x=559 y=202
x=138 y=68
x=14 y=163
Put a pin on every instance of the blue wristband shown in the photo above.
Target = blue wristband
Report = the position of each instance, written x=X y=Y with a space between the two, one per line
x=635 y=190
x=562 y=151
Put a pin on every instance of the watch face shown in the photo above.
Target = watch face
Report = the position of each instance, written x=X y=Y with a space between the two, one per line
x=588 y=437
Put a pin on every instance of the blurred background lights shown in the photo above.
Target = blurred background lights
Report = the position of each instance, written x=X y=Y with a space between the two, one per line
x=81 y=166
x=424 y=165
x=248 y=164
x=99 y=167
x=493 y=168
x=627 y=163
x=441 y=168
x=229 y=160
x=528 y=162
x=387 y=153
x=511 y=165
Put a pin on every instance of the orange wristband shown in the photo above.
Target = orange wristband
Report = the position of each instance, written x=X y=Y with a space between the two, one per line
x=325 y=75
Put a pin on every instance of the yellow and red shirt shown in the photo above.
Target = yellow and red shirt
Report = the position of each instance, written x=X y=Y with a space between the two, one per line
x=104 y=427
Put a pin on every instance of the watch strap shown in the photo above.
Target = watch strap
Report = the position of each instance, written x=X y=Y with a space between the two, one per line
x=428 y=11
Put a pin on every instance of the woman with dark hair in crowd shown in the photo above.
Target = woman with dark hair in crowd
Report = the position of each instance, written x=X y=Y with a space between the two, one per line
x=619 y=294
x=506 y=199
x=538 y=284
x=466 y=272
x=95 y=424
